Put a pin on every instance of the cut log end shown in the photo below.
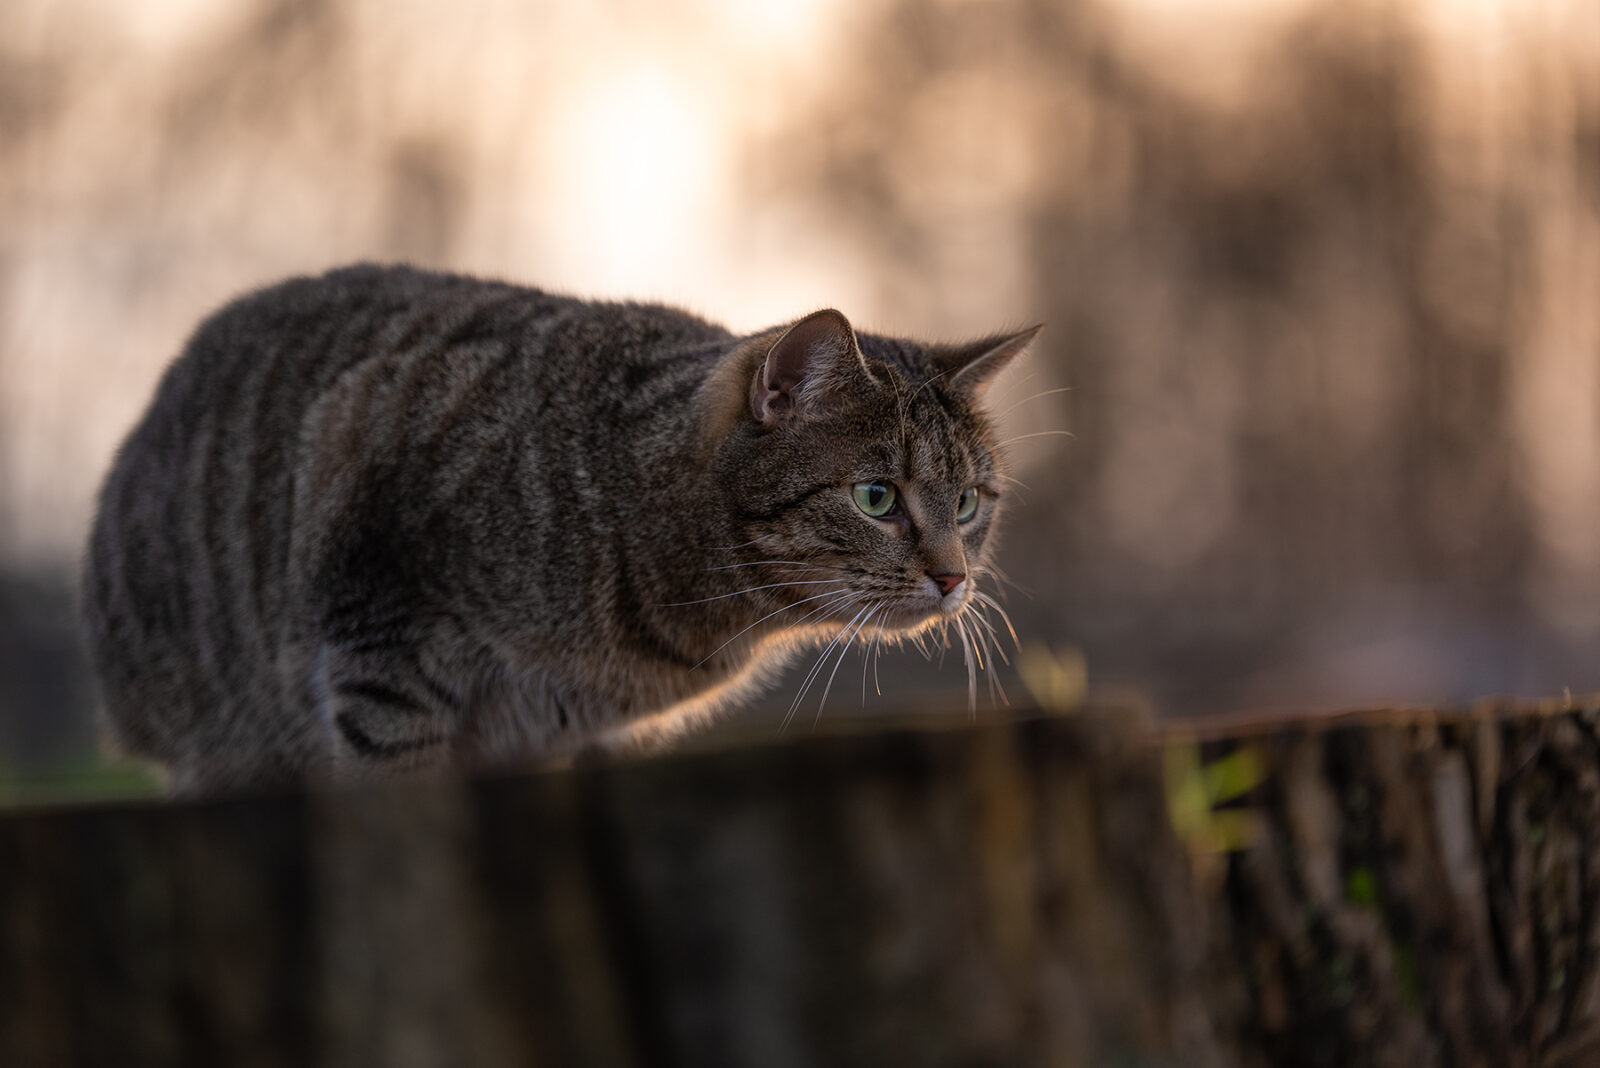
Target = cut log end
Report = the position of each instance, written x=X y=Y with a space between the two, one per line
x=1402 y=888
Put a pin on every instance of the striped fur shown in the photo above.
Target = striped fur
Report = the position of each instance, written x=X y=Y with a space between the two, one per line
x=387 y=520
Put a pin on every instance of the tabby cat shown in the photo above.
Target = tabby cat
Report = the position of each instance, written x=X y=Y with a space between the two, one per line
x=387 y=520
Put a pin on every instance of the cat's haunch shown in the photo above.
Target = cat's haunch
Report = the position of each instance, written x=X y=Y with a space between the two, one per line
x=386 y=520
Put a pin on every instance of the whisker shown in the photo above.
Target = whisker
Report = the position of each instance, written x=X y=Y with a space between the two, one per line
x=877 y=651
x=869 y=652
x=1004 y=616
x=1001 y=576
x=753 y=563
x=844 y=602
x=1011 y=389
x=815 y=670
x=983 y=620
x=928 y=383
x=994 y=679
x=769 y=615
x=843 y=651
x=742 y=544
x=1037 y=434
x=972 y=674
x=752 y=589
x=840 y=599
x=979 y=647
x=1036 y=396
x=866 y=658
x=997 y=689
x=984 y=635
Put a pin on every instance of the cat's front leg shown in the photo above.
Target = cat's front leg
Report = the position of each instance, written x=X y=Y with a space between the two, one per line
x=384 y=714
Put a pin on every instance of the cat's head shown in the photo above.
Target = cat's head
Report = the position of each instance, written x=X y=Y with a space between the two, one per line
x=864 y=471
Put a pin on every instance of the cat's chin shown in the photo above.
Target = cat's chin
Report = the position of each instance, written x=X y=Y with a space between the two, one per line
x=917 y=615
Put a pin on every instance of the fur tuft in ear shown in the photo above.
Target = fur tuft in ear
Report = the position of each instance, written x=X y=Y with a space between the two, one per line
x=971 y=367
x=813 y=363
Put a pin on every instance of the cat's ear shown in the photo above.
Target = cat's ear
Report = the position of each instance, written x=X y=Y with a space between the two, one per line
x=815 y=363
x=971 y=367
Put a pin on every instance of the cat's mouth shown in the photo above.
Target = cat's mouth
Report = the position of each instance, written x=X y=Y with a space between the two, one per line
x=904 y=610
x=913 y=611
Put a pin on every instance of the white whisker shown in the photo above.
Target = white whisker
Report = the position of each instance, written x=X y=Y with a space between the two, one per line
x=986 y=637
x=1012 y=388
x=869 y=652
x=983 y=621
x=742 y=544
x=752 y=589
x=877 y=651
x=843 y=651
x=1002 y=578
x=928 y=383
x=972 y=674
x=990 y=602
x=816 y=669
x=1037 y=434
x=753 y=563
x=994 y=681
x=1034 y=397
x=776 y=611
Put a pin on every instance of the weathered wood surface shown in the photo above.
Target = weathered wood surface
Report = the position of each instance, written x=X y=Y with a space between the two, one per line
x=1411 y=889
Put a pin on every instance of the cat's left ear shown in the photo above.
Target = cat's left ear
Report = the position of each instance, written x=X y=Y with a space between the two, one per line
x=971 y=367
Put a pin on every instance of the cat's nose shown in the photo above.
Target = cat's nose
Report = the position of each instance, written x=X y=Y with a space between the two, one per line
x=947 y=583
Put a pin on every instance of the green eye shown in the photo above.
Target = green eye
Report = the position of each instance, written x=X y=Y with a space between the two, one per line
x=967 y=506
x=877 y=499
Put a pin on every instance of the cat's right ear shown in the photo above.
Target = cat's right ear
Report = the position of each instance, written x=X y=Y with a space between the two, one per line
x=808 y=369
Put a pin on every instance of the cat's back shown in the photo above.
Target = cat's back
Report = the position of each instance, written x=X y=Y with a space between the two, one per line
x=184 y=575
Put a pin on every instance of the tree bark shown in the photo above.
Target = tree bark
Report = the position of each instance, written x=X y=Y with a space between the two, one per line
x=1407 y=888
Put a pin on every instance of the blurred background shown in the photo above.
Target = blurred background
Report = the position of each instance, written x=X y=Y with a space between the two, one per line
x=1321 y=280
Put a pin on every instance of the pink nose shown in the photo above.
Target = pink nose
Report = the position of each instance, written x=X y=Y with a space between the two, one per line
x=947 y=582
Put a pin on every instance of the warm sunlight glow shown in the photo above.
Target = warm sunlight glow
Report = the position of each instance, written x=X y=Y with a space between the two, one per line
x=636 y=175
x=781 y=22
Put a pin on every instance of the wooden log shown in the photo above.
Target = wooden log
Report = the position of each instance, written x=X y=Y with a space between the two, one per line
x=1424 y=889
x=1410 y=888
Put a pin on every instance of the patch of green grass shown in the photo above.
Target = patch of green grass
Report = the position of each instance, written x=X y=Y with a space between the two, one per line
x=77 y=780
x=1195 y=790
x=1361 y=887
